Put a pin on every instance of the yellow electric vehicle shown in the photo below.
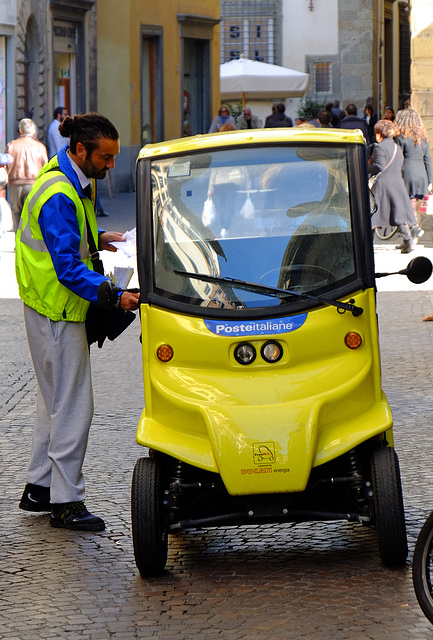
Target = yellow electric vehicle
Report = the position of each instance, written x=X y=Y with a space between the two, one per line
x=263 y=399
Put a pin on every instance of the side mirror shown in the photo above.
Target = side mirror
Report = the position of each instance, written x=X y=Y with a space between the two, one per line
x=417 y=271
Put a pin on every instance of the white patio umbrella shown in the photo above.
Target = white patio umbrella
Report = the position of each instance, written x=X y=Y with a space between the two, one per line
x=252 y=79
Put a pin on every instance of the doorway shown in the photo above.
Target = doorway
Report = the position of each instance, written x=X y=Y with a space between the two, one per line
x=152 y=129
x=195 y=86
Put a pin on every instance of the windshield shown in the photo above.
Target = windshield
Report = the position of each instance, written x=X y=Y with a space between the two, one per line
x=275 y=216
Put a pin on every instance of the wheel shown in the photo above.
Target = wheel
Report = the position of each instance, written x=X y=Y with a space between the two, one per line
x=422 y=570
x=385 y=233
x=388 y=506
x=149 y=516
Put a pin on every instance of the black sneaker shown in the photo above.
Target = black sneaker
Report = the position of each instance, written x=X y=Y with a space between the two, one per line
x=74 y=515
x=35 y=498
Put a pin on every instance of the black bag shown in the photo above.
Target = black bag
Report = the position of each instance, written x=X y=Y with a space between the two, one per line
x=103 y=323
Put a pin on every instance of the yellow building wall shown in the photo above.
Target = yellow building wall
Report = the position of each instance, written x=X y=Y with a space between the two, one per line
x=114 y=73
x=422 y=66
x=119 y=50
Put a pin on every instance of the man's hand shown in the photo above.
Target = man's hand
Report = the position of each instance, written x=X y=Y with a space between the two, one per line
x=129 y=301
x=110 y=236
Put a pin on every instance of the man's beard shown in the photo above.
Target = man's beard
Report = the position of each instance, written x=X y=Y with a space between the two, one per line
x=90 y=171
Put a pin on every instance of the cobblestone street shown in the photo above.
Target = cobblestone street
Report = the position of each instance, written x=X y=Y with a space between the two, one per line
x=309 y=582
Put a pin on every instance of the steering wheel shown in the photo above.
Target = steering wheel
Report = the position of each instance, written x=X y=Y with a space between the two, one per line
x=303 y=208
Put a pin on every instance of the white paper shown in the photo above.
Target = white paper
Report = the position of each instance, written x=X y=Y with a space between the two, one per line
x=129 y=246
x=121 y=276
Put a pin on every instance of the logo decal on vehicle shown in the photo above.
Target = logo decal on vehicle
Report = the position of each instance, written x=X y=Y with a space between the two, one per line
x=264 y=453
x=255 y=327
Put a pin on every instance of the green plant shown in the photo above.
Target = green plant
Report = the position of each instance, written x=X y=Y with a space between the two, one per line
x=308 y=103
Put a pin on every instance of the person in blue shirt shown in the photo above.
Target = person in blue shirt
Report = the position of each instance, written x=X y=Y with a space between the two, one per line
x=57 y=281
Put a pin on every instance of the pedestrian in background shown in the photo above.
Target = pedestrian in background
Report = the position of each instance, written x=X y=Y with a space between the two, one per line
x=314 y=117
x=249 y=121
x=405 y=103
x=273 y=111
x=57 y=282
x=389 y=114
x=370 y=118
x=340 y=113
x=325 y=118
x=279 y=118
x=352 y=121
x=224 y=116
x=6 y=223
x=417 y=166
x=329 y=106
x=393 y=204
x=28 y=157
x=227 y=127
x=55 y=141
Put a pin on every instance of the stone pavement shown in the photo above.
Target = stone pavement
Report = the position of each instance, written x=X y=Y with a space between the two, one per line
x=309 y=582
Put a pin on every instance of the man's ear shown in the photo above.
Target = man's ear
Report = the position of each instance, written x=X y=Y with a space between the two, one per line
x=81 y=151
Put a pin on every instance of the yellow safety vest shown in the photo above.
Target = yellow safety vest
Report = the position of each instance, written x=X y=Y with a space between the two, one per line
x=38 y=285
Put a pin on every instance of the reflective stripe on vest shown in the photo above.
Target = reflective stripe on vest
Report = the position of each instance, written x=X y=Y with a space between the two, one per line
x=26 y=234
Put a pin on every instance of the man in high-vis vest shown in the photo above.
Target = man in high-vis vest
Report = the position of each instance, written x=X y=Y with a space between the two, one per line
x=57 y=283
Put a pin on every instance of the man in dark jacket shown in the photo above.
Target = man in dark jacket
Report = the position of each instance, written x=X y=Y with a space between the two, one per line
x=352 y=121
x=279 y=119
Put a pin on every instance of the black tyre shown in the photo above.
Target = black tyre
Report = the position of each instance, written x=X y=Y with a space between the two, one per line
x=422 y=570
x=388 y=506
x=148 y=513
x=385 y=233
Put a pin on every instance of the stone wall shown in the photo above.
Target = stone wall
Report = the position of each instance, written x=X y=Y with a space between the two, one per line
x=355 y=29
x=422 y=61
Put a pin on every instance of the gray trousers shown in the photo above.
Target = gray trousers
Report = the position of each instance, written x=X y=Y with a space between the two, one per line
x=64 y=409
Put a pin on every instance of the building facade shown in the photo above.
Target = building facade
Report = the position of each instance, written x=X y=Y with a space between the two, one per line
x=55 y=59
x=352 y=50
x=158 y=72
x=421 y=61
x=8 y=18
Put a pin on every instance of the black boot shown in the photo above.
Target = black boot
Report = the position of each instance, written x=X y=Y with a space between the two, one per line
x=408 y=246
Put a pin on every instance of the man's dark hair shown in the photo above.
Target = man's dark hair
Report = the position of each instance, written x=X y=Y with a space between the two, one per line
x=314 y=113
x=58 y=112
x=352 y=109
x=324 y=117
x=280 y=107
x=336 y=104
x=329 y=106
x=87 y=128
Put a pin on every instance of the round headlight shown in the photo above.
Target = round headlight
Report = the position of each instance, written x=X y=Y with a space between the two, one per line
x=272 y=351
x=245 y=353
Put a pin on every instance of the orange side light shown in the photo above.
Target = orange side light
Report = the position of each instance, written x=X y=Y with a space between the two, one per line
x=353 y=340
x=164 y=353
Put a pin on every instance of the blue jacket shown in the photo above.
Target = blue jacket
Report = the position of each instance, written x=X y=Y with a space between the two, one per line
x=61 y=234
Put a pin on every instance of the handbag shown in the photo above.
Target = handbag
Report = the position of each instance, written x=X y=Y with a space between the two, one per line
x=373 y=179
x=103 y=323
x=426 y=205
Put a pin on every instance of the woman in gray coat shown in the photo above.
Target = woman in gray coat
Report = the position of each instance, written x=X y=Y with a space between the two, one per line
x=417 y=169
x=393 y=203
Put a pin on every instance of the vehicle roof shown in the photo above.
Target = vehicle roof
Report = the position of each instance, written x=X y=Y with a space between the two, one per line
x=293 y=135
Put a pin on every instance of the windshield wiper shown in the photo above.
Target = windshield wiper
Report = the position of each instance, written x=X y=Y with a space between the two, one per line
x=269 y=291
